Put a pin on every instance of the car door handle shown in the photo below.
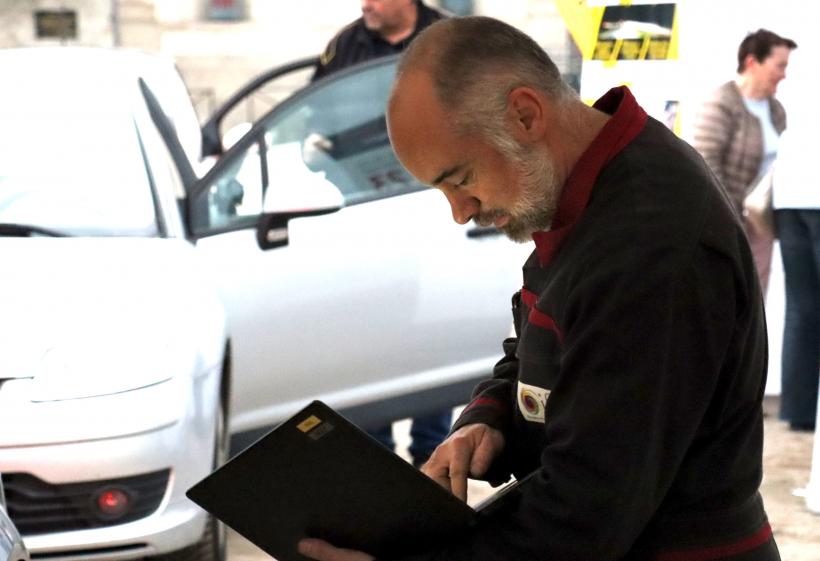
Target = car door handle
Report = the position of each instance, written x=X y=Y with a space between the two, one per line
x=483 y=232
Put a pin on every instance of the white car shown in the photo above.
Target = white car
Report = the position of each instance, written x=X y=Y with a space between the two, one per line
x=12 y=547
x=149 y=296
x=114 y=351
x=385 y=308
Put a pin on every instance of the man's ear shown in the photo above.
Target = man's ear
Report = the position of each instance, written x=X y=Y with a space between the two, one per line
x=749 y=61
x=528 y=112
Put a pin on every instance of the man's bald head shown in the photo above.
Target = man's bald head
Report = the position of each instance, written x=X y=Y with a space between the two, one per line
x=479 y=111
x=474 y=62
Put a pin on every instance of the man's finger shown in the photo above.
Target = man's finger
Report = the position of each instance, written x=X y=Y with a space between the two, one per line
x=316 y=549
x=458 y=485
x=481 y=463
x=486 y=451
x=438 y=471
x=459 y=468
x=323 y=551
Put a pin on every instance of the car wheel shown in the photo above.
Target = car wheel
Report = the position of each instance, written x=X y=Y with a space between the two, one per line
x=213 y=544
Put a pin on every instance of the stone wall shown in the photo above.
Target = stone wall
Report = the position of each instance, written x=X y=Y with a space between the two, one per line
x=217 y=57
x=17 y=22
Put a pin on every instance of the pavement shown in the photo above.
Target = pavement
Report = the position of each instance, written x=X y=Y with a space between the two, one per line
x=786 y=467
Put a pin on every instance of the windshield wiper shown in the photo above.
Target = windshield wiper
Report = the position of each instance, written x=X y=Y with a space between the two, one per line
x=27 y=231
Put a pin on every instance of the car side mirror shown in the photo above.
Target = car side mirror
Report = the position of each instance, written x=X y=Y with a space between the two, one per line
x=312 y=195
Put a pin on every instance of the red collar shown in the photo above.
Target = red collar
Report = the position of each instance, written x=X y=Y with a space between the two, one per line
x=628 y=119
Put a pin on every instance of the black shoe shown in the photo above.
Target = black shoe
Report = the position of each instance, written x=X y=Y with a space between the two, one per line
x=801 y=427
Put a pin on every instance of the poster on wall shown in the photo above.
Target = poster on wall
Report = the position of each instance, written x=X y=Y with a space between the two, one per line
x=628 y=43
x=226 y=10
x=636 y=32
x=55 y=24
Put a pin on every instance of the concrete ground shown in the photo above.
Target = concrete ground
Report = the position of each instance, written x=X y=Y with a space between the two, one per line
x=786 y=468
x=786 y=465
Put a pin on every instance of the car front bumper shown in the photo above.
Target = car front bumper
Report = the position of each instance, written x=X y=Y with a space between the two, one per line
x=181 y=442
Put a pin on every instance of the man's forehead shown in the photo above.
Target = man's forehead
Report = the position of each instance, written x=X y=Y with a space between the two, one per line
x=417 y=123
x=414 y=106
x=414 y=84
x=420 y=128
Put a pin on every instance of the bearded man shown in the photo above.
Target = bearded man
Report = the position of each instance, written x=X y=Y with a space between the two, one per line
x=632 y=390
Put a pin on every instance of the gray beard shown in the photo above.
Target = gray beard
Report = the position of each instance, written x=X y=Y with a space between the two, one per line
x=540 y=191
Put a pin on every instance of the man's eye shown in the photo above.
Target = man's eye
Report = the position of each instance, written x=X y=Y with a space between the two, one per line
x=464 y=181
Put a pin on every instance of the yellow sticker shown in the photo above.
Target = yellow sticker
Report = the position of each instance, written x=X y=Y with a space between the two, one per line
x=309 y=423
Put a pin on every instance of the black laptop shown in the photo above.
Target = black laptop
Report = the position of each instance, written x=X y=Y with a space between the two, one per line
x=319 y=475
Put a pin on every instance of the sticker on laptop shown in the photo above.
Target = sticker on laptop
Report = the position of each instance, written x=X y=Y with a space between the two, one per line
x=314 y=427
x=309 y=423
x=532 y=402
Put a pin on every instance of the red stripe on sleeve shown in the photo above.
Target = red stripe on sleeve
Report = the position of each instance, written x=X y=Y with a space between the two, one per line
x=537 y=317
x=486 y=402
x=528 y=298
x=725 y=551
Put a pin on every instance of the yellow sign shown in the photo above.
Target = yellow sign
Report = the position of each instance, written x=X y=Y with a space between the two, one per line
x=582 y=22
x=622 y=30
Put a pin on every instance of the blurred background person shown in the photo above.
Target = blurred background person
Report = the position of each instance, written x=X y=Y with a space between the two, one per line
x=385 y=28
x=738 y=128
x=796 y=200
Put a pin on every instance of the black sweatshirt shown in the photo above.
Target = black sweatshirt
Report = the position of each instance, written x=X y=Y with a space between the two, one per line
x=635 y=383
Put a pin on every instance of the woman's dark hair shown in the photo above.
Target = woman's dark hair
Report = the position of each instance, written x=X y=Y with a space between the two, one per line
x=760 y=44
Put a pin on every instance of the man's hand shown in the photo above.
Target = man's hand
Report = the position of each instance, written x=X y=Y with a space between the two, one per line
x=467 y=452
x=323 y=551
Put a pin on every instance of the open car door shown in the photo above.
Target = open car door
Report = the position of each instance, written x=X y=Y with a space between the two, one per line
x=212 y=130
x=343 y=278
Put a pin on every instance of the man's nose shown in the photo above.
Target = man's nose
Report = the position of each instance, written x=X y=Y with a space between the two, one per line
x=464 y=206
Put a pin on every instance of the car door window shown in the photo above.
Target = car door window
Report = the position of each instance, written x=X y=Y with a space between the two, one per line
x=332 y=130
x=235 y=195
x=251 y=101
x=337 y=129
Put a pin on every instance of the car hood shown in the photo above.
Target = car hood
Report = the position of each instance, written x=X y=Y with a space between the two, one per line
x=103 y=304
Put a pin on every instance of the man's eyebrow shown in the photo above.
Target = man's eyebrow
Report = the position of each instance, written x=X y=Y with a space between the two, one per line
x=447 y=173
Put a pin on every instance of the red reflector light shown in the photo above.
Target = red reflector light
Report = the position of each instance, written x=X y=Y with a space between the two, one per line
x=113 y=503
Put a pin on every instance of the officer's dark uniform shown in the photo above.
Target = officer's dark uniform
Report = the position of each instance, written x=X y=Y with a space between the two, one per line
x=355 y=43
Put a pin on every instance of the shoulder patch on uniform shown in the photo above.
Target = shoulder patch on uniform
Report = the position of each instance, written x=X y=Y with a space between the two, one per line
x=329 y=53
x=330 y=50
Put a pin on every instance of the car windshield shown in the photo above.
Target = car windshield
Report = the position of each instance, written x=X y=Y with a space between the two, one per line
x=71 y=160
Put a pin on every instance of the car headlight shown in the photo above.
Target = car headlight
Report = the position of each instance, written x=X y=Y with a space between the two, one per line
x=79 y=371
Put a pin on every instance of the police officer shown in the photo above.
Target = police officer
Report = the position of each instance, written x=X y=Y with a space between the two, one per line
x=385 y=28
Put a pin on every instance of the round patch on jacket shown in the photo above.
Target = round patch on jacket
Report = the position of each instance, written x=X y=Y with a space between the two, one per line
x=532 y=402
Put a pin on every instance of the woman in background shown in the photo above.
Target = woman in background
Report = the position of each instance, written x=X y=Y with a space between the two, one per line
x=738 y=128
